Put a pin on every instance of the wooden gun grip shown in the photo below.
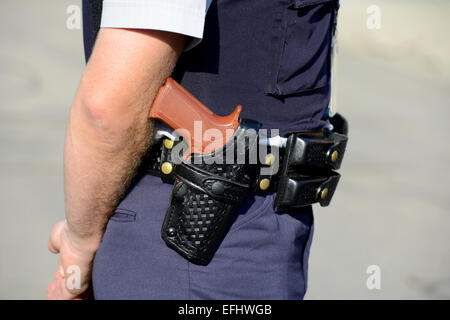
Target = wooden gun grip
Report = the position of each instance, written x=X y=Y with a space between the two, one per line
x=191 y=119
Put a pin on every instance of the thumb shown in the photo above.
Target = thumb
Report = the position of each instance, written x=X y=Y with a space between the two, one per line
x=54 y=244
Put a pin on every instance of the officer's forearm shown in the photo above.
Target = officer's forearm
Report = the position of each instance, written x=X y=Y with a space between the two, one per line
x=109 y=130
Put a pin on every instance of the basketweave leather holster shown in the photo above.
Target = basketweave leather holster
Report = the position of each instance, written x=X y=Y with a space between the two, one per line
x=205 y=194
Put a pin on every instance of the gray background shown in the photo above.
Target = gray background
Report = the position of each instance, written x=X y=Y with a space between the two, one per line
x=392 y=207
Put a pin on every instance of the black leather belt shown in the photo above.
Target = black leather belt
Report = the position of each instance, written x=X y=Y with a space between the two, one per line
x=305 y=172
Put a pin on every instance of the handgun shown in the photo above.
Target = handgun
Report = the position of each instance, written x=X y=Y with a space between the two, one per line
x=202 y=130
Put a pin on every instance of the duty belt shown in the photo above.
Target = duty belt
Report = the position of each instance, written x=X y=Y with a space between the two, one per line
x=305 y=173
x=205 y=194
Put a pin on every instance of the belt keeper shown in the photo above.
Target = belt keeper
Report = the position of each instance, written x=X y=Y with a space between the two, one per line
x=326 y=190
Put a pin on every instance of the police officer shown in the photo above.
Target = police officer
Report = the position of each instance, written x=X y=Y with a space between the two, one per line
x=271 y=56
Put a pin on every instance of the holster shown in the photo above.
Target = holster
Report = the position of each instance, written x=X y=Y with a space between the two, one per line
x=205 y=194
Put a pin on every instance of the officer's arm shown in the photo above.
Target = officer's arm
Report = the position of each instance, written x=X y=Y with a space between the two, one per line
x=109 y=130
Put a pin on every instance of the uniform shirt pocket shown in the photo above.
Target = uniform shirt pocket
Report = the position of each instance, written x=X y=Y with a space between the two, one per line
x=303 y=59
x=123 y=215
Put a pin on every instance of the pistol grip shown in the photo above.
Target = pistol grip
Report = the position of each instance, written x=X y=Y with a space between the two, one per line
x=191 y=119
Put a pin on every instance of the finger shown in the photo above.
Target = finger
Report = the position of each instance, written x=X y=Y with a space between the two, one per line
x=56 y=290
x=61 y=270
x=51 y=290
x=50 y=286
x=51 y=248
x=58 y=274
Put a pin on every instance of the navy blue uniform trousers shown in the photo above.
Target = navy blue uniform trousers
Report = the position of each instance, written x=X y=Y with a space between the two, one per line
x=273 y=57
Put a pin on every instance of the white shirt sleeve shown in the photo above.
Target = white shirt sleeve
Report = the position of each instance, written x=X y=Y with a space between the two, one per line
x=181 y=16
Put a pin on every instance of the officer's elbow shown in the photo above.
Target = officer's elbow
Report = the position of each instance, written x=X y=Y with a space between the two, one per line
x=106 y=117
x=97 y=111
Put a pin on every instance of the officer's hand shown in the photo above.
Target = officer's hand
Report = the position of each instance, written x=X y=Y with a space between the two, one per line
x=73 y=277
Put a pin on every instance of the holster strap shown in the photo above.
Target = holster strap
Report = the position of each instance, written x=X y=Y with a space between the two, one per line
x=324 y=151
x=219 y=188
x=299 y=191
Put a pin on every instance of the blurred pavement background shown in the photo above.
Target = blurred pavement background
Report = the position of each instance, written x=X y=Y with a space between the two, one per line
x=392 y=208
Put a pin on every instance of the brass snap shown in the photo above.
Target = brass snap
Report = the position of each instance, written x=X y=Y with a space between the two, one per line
x=264 y=184
x=166 y=168
x=324 y=193
x=270 y=158
x=168 y=143
x=334 y=156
